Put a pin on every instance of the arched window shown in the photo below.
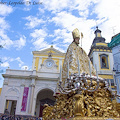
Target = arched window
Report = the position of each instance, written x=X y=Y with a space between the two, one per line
x=104 y=61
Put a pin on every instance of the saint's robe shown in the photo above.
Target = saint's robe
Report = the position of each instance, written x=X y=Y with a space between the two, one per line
x=75 y=53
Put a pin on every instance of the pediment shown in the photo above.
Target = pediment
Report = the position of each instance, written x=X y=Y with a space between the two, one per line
x=51 y=49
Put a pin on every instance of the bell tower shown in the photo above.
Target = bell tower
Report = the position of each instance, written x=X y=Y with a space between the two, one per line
x=101 y=57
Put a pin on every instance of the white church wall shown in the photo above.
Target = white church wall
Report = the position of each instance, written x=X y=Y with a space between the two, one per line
x=116 y=57
x=95 y=60
x=16 y=80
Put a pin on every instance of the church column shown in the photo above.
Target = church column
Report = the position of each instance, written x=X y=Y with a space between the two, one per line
x=3 y=96
x=60 y=63
x=33 y=64
x=40 y=62
x=31 y=96
x=32 y=91
x=18 y=111
x=33 y=106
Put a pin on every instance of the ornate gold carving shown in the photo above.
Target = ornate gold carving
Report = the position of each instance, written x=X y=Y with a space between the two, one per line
x=79 y=105
x=97 y=104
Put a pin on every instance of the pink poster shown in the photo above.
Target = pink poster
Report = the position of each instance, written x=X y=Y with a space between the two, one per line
x=24 y=100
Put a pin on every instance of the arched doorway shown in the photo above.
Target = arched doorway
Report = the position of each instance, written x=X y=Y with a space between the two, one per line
x=45 y=96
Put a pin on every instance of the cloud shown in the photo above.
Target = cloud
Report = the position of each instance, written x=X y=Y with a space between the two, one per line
x=41 y=10
x=38 y=33
x=112 y=10
x=6 y=61
x=63 y=35
x=33 y=22
x=62 y=5
x=84 y=13
x=111 y=13
x=20 y=61
x=58 y=48
x=20 y=43
x=54 y=5
x=5 y=10
x=3 y=24
x=38 y=38
x=68 y=21
x=5 y=64
x=27 y=8
x=5 y=40
x=65 y=20
x=40 y=44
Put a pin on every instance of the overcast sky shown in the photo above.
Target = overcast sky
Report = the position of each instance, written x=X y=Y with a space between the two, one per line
x=30 y=25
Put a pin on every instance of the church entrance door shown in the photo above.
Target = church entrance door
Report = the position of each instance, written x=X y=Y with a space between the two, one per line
x=45 y=96
x=10 y=107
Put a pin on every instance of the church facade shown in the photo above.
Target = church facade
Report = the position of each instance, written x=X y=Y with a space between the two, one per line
x=25 y=92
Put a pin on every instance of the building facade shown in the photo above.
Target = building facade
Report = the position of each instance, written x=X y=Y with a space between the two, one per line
x=115 y=46
x=101 y=57
x=25 y=92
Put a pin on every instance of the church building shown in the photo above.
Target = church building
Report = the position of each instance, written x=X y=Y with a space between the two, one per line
x=26 y=91
x=115 y=46
x=101 y=56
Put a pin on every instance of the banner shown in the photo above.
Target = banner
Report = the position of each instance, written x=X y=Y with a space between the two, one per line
x=24 y=100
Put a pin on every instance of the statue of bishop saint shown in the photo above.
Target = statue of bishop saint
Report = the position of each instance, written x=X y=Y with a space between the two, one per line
x=76 y=56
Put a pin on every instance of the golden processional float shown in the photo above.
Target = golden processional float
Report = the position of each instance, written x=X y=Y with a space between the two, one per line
x=82 y=95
